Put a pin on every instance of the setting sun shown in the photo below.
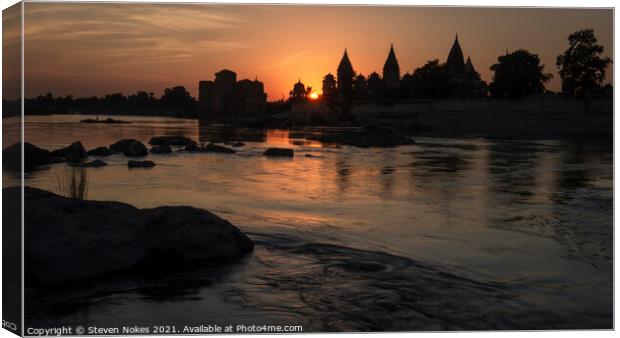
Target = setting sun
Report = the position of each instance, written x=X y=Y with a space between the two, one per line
x=314 y=96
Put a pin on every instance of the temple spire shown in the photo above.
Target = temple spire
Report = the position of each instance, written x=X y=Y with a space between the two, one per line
x=391 y=70
x=455 y=61
x=345 y=72
x=469 y=66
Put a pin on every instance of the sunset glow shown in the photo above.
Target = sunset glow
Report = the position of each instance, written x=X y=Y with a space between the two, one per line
x=99 y=48
x=290 y=169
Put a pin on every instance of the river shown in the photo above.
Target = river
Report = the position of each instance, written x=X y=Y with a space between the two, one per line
x=445 y=234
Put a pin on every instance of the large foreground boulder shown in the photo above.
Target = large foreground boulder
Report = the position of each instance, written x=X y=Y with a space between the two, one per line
x=71 y=239
x=33 y=156
x=129 y=147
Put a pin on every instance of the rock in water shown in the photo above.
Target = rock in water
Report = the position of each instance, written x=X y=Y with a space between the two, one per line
x=192 y=147
x=108 y=120
x=100 y=151
x=136 y=149
x=173 y=140
x=183 y=237
x=59 y=160
x=140 y=164
x=33 y=156
x=75 y=150
x=279 y=152
x=92 y=164
x=235 y=144
x=72 y=158
x=129 y=145
x=368 y=137
x=72 y=239
x=214 y=148
x=162 y=149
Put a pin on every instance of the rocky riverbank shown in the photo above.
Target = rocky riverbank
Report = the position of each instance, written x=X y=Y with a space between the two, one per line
x=76 y=154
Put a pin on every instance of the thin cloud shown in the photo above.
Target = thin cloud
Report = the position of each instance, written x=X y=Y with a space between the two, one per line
x=292 y=58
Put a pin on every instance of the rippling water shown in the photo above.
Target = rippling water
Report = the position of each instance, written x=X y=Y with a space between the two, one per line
x=449 y=233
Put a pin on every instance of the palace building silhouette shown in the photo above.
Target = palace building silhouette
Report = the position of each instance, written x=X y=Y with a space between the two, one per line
x=227 y=96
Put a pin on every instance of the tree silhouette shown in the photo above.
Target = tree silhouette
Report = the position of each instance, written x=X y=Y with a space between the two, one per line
x=179 y=99
x=518 y=75
x=431 y=81
x=582 y=68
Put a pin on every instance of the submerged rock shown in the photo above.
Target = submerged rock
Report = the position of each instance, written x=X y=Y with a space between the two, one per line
x=129 y=147
x=192 y=147
x=366 y=138
x=209 y=148
x=162 y=149
x=214 y=148
x=57 y=159
x=92 y=164
x=140 y=164
x=75 y=150
x=136 y=149
x=286 y=152
x=235 y=144
x=71 y=158
x=72 y=239
x=173 y=140
x=100 y=151
x=33 y=156
x=108 y=120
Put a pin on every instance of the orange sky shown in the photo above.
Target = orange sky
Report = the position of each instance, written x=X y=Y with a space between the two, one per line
x=89 y=49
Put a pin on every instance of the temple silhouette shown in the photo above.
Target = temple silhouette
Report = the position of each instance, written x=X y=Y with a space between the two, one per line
x=454 y=78
x=459 y=79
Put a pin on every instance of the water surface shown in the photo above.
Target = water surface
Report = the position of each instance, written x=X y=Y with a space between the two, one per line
x=448 y=233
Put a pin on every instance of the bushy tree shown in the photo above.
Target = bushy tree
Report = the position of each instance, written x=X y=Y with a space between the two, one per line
x=431 y=81
x=518 y=75
x=582 y=66
x=178 y=98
